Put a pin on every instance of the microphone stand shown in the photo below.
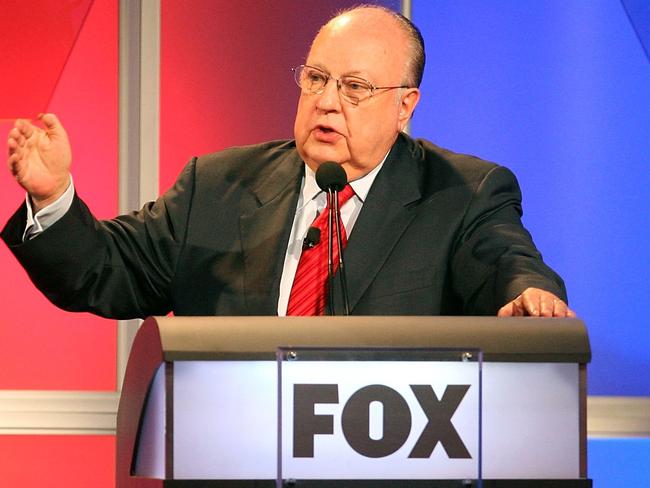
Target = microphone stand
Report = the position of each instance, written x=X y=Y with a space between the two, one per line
x=339 y=243
x=331 y=197
x=330 y=177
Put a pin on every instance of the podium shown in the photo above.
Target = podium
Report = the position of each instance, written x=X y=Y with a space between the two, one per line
x=355 y=401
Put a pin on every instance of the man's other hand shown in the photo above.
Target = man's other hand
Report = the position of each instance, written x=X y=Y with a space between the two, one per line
x=40 y=159
x=536 y=303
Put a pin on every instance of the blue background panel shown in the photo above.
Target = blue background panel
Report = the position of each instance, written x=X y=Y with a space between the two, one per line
x=558 y=91
x=617 y=463
x=639 y=13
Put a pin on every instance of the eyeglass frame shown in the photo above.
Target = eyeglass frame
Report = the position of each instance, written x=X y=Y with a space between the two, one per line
x=298 y=70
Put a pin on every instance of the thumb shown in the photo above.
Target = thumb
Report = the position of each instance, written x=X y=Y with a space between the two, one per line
x=51 y=122
x=54 y=130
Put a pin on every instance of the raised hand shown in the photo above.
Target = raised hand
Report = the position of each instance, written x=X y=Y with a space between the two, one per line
x=537 y=303
x=40 y=159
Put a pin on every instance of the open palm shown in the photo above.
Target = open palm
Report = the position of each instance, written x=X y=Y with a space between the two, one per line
x=40 y=159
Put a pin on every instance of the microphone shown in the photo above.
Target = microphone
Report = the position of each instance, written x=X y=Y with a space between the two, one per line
x=331 y=178
x=312 y=238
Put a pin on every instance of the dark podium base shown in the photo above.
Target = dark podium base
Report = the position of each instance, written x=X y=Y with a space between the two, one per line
x=574 y=483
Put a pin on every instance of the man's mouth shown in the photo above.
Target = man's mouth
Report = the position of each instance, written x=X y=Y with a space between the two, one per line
x=323 y=133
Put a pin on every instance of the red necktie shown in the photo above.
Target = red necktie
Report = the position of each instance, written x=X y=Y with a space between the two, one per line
x=309 y=290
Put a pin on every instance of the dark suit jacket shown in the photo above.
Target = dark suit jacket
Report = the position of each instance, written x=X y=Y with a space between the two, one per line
x=439 y=233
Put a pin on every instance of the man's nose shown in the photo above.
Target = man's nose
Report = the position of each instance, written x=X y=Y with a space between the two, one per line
x=329 y=100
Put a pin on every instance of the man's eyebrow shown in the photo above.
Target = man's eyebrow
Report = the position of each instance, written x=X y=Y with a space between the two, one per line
x=356 y=73
x=319 y=66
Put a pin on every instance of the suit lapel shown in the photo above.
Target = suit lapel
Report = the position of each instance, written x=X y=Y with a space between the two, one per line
x=265 y=226
x=384 y=217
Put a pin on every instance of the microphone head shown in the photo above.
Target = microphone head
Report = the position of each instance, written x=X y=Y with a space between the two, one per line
x=331 y=176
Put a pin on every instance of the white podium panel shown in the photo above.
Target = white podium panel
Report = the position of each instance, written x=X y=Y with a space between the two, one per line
x=227 y=429
x=225 y=421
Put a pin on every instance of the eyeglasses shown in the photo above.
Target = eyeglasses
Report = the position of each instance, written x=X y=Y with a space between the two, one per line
x=353 y=89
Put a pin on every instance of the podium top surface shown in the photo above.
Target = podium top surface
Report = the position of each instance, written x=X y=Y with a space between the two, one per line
x=521 y=339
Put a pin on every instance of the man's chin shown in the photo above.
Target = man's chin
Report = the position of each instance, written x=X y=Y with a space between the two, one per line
x=320 y=152
x=317 y=158
x=314 y=164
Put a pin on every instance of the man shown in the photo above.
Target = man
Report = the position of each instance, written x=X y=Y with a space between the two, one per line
x=430 y=232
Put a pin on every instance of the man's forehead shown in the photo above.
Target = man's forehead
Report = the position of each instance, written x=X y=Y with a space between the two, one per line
x=368 y=43
x=360 y=20
x=339 y=22
x=359 y=32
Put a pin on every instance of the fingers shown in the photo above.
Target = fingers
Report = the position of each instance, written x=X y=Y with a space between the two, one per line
x=558 y=308
x=17 y=141
x=531 y=301
x=20 y=136
x=16 y=138
x=24 y=134
x=506 y=311
x=13 y=142
x=25 y=128
x=15 y=148
x=536 y=303
x=550 y=306
x=561 y=309
x=513 y=309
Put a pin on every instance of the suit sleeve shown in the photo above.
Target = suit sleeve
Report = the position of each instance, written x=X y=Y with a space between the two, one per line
x=120 y=268
x=495 y=258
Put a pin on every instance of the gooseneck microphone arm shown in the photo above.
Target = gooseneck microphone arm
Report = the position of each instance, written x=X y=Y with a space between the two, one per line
x=331 y=178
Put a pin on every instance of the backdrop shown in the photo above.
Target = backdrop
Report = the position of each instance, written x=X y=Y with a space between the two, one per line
x=559 y=91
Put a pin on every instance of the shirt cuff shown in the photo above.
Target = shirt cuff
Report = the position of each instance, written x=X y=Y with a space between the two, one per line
x=47 y=216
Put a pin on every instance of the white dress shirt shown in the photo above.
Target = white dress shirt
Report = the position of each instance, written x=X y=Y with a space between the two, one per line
x=311 y=203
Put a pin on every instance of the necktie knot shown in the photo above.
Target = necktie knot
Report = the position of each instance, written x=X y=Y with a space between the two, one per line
x=345 y=194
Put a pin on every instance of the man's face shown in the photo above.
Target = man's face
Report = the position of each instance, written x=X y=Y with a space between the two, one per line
x=368 y=45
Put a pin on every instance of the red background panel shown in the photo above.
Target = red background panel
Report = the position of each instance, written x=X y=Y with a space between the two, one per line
x=36 y=39
x=225 y=80
x=226 y=72
x=43 y=347
x=57 y=461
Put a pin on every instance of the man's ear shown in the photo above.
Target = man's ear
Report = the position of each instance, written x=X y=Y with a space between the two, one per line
x=409 y=99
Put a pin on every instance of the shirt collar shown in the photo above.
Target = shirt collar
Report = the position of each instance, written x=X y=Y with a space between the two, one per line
x=360 y=186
